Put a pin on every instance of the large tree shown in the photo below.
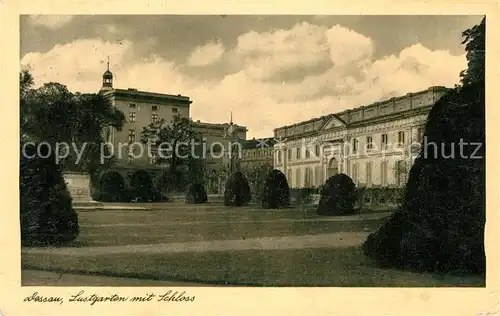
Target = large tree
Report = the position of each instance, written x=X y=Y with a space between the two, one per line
x=440 y=224
x=474 y=41
x=175 y=143
x=46 y=212
x=53 y=114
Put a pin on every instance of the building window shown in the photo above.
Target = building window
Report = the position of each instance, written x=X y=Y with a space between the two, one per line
x=385 y=141
x=289 y=154
x=369 y=173
x=131 y=117
x=308 y=178
x=154 y=118
x=401 y=137
x=355 y=173
x=369 y=143
x=132 y=106
x=317 y=149
x=298 y=153
x=420 y=134
x=354 y=145
x=383 y=173
x=279 y=156
x=131 y=136
x=317 y=176
x=175 y=110
x=297 y=178
x=154 y=108
x=308 y=153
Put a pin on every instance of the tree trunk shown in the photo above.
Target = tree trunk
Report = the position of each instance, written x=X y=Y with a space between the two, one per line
x=173 y=163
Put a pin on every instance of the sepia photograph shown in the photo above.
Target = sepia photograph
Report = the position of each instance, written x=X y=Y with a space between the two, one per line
x=251 y=151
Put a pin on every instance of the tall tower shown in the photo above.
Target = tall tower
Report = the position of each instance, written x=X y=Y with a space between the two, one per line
x=107 y=80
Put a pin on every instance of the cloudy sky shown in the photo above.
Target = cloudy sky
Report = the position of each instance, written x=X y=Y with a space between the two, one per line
x=269 y=71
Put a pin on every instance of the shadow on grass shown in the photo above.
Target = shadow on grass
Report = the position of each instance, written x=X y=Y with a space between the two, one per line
x=339 y=267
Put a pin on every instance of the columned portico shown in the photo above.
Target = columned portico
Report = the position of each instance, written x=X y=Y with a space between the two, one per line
x=333 y=157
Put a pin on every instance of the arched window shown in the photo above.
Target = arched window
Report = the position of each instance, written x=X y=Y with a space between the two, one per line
x=333 y=167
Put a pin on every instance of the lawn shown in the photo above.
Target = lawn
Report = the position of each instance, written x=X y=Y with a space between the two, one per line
x=303 y=267
x=285 y=267
x=184 y=223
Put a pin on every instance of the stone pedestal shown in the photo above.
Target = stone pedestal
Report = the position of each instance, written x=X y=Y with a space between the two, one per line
x=79 y=187
x=315 y=199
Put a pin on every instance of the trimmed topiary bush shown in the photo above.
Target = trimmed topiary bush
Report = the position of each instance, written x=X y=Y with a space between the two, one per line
x=276 y=192
x=112 y=188
x=47 y=216
x=142 y=190
x=141 y=186
x=338 y=196
x=237 y=190
x=196 y=194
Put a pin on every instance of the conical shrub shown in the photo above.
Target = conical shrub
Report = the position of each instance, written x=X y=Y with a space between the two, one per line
x=196 y=194
x=237 y=191
x=276 y=192
x=337 y=196
x=47 y=216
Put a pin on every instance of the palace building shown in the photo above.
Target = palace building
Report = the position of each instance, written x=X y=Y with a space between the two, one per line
x=375 y=144
x=142 y=108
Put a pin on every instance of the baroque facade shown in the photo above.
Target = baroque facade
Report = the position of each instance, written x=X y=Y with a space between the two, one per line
x=375 y=144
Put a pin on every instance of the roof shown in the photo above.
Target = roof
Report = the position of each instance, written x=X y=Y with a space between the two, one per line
x=217 y=125
x=339 y=115
x=258 y=143
x=134 y=93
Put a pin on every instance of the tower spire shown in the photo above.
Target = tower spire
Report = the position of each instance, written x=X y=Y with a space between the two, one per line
x=107 y=79
x=231 y=118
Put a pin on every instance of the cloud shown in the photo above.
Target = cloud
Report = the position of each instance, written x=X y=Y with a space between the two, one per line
x=346 y=46
x=52 y=22
x=206 y=55
x=79 y=64
x=272 y=55
x=338 y=72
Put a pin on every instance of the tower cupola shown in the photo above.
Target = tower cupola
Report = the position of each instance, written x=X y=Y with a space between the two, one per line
x=107 y=79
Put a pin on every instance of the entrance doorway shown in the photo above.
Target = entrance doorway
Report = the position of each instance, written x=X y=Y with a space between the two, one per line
x=333 y=167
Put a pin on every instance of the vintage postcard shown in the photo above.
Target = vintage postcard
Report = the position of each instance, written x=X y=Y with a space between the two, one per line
x=221 y=158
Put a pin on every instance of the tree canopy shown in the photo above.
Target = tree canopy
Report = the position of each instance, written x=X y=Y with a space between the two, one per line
x=53 y=114
x=176 y=144
x=474 y=41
